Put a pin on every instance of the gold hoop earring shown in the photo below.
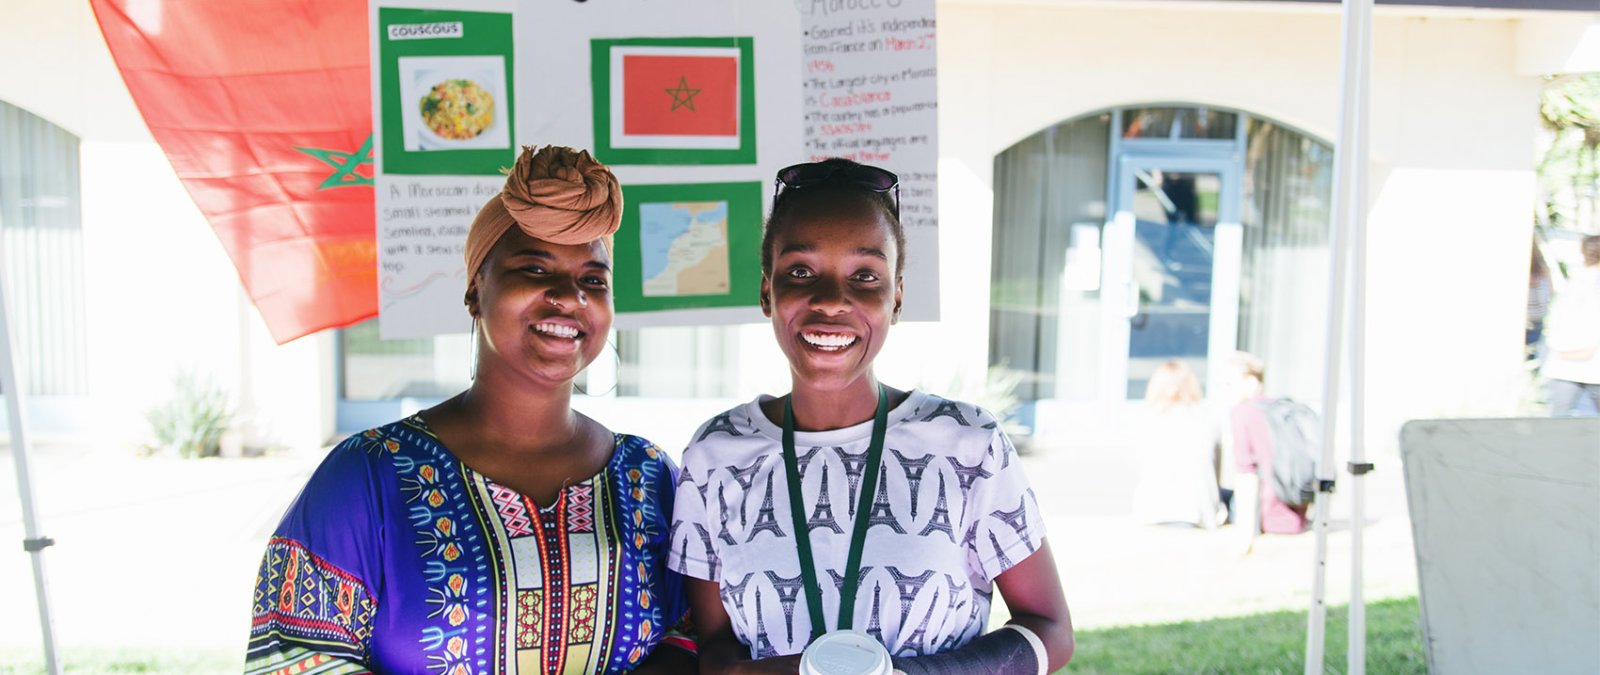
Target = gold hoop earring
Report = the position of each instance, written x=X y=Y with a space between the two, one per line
x=616 y=380
x=472 y=362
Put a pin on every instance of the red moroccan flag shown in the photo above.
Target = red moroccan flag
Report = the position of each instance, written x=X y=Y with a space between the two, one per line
x=264 y=108
x=667 y=95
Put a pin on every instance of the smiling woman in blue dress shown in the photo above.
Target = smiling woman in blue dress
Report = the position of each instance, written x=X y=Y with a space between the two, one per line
x=500 y=531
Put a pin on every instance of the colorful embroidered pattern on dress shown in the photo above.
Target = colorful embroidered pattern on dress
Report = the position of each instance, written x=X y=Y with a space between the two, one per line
x=480 y=581
x=300 y=599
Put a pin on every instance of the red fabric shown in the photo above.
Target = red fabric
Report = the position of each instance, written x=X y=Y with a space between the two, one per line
x=680 y=95
x=243 y=96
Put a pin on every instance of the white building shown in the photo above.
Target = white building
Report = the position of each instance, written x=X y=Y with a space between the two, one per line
x=1121 y=182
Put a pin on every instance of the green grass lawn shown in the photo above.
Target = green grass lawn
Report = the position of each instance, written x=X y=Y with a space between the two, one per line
x=84 y=661
x=1259 y=643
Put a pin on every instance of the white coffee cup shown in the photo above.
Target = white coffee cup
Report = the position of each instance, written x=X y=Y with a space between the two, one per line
x=845 y=652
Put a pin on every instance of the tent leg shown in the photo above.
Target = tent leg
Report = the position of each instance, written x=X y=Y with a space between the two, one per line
x=34 y=543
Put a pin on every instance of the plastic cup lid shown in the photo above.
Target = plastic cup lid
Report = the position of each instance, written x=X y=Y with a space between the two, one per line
x=845 y=652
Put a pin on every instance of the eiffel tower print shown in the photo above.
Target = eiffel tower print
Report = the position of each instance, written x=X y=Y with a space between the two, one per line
x=822 y=515
x=704 y=488
x=981 y=602
x=788 y=590
x=720 y=424
x=947 y=408
x=1007 y=451
x=941 y=516
x=735 y=592
x=747 y=475
x=763 y=643
x=705 y=540
x=838 y=579
x=804 y=461
x=914 y=469
x=916 y=644
x=875 y=625
x=999 y=553
x=969 y=541
x=882 y=513
x=967 y=475
x=766 y=519
x=909 y=587
x=854 y=466
x=956 y=600
x=722 y=502
x=1017 y=519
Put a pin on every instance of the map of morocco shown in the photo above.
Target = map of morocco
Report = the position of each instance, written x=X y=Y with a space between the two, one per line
x=684 y=248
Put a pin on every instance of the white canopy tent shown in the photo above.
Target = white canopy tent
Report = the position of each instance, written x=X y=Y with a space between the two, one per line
x=1347 y=294
x=16 y=422
x=1346 y=298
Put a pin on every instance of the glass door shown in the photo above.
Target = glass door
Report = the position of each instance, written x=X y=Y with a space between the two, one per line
x=1171 y=261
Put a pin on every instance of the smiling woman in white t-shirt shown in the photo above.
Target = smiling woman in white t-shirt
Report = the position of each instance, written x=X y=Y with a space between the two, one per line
x=913 y=508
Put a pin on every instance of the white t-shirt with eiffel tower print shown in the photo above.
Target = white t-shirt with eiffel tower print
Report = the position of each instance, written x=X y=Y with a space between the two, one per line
x=952 y=511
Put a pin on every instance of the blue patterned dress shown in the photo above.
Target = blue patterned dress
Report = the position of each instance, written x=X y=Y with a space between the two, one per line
x=398 y=558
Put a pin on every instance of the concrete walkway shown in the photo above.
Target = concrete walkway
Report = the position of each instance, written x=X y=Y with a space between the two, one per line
x=162 y=553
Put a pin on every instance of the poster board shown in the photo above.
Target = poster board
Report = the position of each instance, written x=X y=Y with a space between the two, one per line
x=695 y=105
x=1506 y=517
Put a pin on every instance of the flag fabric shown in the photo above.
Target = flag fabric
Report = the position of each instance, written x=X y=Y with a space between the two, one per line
x=667 y=95
x=674 y=100
x=264 y=108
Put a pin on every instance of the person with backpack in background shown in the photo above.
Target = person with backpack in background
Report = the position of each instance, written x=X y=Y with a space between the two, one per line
x=1572 y=335
x=1255 y=452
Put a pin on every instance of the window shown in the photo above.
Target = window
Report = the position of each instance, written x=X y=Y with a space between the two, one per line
x=1179 y=124
x=1047 y=322
x=377 y=370
x=666 y=362
x=42 y=231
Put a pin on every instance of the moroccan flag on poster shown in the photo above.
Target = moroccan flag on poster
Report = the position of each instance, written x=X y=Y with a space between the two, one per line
x=264 y=109
x=670 y=95
x=674 y=101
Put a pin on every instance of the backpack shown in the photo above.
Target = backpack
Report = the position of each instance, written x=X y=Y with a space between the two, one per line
x=1296 y=433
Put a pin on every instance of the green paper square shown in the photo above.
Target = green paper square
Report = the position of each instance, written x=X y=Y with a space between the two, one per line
x=600 y=69
x=743 y=248
x=483 y=34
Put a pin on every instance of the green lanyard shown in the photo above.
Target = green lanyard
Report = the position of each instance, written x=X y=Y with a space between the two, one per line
x=858 y=535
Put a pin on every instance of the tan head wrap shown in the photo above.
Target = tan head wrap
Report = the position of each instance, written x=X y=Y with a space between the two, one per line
x=557 y=194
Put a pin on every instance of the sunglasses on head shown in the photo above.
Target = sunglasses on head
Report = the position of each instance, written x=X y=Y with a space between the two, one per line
x=870 y=178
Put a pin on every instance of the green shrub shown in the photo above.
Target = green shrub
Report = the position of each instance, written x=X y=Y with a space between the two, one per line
x=192 y=422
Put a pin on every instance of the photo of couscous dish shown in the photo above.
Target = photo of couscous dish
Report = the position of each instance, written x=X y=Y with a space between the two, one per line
x=453 y=103
x=457 y=109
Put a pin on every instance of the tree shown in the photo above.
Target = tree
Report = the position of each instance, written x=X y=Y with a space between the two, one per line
x=1569 y=154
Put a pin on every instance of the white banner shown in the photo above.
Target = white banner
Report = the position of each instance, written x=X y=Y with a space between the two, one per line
x=695 y=104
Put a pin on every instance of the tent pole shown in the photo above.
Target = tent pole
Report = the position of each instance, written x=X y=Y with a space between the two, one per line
x=1356 y=655
x=34 y=543
x=1356 y=26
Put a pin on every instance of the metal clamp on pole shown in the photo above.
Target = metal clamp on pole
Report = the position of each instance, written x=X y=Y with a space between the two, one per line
x=1325 y=486
x=1360 y=468
x=37 y=544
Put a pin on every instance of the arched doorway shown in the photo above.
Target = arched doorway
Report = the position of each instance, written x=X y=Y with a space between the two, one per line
x=1132 y=236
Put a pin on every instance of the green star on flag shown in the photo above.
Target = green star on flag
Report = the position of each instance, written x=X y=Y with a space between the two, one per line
x=682 y=95
x=344 y=165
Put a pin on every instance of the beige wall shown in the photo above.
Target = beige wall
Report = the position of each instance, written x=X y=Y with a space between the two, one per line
x=1452 y=150
x=161 y=294
x=1453 y=126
